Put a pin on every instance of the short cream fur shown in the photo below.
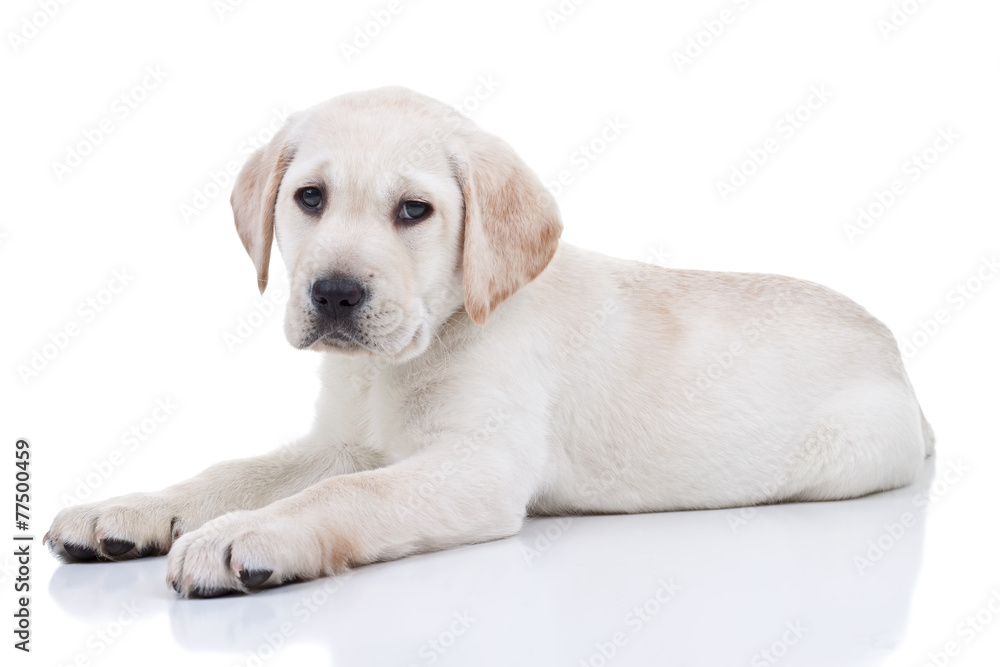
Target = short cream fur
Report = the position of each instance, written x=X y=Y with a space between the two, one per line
x=500 y=372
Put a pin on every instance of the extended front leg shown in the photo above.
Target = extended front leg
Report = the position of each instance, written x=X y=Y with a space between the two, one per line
x=440 y=498
x=146 y=524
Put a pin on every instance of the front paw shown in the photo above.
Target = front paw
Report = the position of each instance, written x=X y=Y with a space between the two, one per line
x=122 y=528
x=242 y=552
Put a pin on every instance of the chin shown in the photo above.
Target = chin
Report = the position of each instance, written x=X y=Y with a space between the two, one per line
x=417 y=345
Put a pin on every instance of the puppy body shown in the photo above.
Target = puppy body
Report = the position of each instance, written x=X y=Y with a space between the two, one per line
x=624 y=387
x=477 y=370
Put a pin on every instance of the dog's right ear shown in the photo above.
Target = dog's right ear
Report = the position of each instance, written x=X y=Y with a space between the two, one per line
x=254 y=196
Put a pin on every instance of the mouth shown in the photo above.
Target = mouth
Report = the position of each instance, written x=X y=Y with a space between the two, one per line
x=337 y=339
x=352 y=342
x=341 y=340
x=342 y=337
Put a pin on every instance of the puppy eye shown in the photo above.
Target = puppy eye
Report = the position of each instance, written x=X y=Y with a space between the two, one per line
x=310 y=198
x=412 y=211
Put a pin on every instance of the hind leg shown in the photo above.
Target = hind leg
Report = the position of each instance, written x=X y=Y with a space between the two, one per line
x=869 y=439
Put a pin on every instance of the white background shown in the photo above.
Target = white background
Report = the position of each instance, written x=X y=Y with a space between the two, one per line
x=560 y=591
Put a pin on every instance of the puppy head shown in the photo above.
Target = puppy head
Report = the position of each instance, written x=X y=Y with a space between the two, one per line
x=392 y=211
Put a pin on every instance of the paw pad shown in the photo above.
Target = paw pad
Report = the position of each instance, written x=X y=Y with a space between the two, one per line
x=79 y=552
x=115 y=548
x=254 y=578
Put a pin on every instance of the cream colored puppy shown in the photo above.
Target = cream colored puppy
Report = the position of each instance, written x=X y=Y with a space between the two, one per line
x=478 y=370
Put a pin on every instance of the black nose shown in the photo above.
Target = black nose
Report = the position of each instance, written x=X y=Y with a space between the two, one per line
x=337 y=297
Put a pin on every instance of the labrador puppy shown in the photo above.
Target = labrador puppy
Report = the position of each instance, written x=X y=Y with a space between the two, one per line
x=477 y=370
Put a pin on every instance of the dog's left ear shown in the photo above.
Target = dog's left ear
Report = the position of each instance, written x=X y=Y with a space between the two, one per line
x=254 y=196
x=512 y=223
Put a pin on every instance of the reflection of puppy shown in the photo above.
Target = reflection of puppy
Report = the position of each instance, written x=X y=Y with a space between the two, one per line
x=478 y=370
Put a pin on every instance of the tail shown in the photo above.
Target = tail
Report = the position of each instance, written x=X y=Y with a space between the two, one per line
x=928 y=435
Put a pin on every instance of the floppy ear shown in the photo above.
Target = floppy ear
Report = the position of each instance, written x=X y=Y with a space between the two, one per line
x=512 y=223
x=254 y=196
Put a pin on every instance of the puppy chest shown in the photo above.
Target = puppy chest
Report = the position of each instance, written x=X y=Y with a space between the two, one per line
x=401 y=418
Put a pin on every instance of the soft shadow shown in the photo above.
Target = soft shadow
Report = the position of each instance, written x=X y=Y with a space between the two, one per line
x=584 y=589
x=96 y=591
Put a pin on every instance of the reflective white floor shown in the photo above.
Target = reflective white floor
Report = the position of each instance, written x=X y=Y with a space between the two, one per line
x=802 y=584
